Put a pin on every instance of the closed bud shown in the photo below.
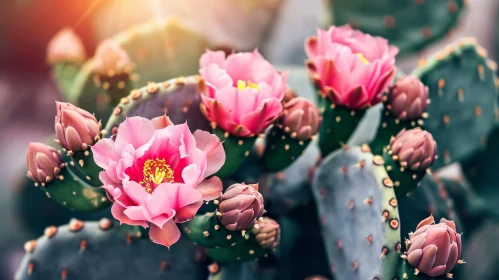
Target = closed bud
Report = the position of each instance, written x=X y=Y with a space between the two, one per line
x=76 y=129
x=44 y=163
x=300 y=118
x=415 y=149
x=408 y=98
x=111 y=59
x=434 y=248
x=240 y=206
x=268 y=233
x=65 y=46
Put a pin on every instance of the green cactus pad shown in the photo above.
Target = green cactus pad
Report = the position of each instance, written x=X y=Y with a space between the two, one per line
x=463 y=94
x=404 y=179
x=242 y=271
x=105 y=250
x=359 y=213
x=207 y=231
x=481 y=172
x=411 y=25
x=430 y=198
x=281 y=150
x=157 y=48
x=237 y=149
x=64 y=74
x=178 y=98
x=83 y=166
x=338 y=125
x=244 y=251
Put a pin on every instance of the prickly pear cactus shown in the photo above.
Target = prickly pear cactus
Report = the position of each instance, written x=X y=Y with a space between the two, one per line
x=359 y=213
x=411 y=25
x=463 y=94
x=178 y=98
x=102 y=250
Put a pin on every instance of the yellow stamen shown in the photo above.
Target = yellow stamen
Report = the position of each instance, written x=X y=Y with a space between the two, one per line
x=362 y=58
x=156 y=171
x=248 y=84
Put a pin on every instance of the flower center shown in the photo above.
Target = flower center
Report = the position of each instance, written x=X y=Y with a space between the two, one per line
x=362 y=58
x=156 y=171
x=248 y=84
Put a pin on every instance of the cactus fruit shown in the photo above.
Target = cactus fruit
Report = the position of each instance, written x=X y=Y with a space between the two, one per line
x=72 y=251
x=459 y=119
x=408 y=24
x=434 y=249
x=408 y=158
x=240 y=206
x=405 y=106
x=294 y=130
x=179 y=98
x=66 y=54
x=359 y=213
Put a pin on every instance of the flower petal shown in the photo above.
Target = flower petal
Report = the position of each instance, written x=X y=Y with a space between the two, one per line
x=188 y=212
x=168 y=235
x=215 y=154
x=134 y=130
x=118 y=213
x=211 y=188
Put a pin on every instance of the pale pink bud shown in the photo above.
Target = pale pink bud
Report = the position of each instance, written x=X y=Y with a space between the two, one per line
x=408 y=98
x=111 y=59
x=414 y=148
x=44 y=163
x=300 y=118
x=240 y=206
x=76 y=129
x=65 y=46
x=267 y=232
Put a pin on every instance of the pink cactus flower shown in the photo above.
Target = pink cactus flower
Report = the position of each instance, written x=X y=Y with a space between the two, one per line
x=244 y=92
x=351 y=68
x=155 y=174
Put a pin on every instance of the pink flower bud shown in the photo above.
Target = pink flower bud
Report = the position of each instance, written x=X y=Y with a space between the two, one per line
x=65 y=46
x=111 y=59
x=44 y=163
x=408 y=98
x=434 y=248
x=76 y=129
x=300 y=118
x=415 y=149
x=267 y=232
x=240 y=206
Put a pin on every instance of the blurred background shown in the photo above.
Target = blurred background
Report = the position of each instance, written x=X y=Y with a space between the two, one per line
x=27 y=93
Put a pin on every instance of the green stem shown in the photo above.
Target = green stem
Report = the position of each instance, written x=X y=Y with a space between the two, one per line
x=64 y=74
x=236 y=151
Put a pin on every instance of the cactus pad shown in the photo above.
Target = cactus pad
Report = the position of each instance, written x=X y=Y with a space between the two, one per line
x=358 y=209
x=463 y=95
x=178 y=98
x=154 y=48
x=105 y=250
x=411 y=25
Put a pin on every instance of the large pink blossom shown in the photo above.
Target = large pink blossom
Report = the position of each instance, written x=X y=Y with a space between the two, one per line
x=155 y=172
x=244 y=91
x=351 y=68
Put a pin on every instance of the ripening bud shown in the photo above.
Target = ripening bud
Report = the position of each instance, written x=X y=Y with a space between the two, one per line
x=111 y=59
x=408 y=98
x=44 y=163
x=415 y=149
x=300 y=118
x=76 y=129
x=66 y=46
x=240 y=206
x=434 y=248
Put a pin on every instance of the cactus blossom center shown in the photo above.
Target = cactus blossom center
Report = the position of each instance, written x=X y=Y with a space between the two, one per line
x=156 y=171
x=248 y=84
x=362 y=58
